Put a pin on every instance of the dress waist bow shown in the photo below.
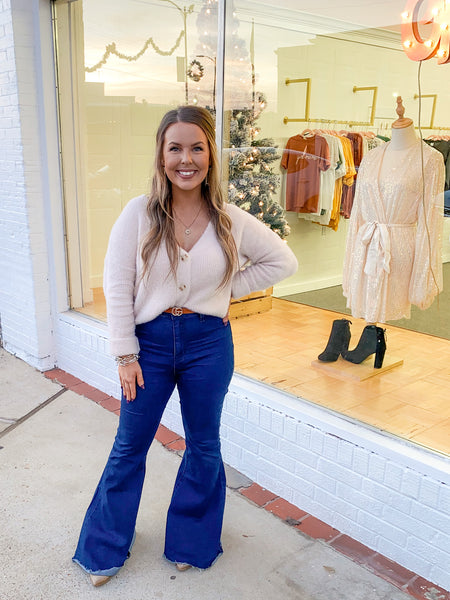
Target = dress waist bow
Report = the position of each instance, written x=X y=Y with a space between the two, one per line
x=378 y=241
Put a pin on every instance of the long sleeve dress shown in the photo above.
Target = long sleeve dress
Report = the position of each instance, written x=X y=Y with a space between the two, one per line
x=393 y=252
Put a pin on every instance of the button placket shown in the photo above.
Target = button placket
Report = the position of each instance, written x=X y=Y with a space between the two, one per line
x=184 y=277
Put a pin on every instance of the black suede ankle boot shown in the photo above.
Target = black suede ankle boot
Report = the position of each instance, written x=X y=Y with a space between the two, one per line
x=337 y=342
x=372 y=341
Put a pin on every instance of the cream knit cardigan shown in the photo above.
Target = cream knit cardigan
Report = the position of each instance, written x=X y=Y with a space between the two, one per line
x=131 y=299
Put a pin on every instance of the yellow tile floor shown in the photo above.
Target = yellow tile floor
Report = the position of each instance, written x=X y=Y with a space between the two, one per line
x=411 y=401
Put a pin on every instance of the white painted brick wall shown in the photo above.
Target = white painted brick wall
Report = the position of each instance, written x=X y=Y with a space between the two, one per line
x=387 y=494
x=24 y=266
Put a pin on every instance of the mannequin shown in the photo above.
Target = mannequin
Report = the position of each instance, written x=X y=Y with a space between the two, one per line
x=393 y=253
x=403 y=137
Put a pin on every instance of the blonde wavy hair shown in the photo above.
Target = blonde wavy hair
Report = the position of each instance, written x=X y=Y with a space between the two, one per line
x=159 y=205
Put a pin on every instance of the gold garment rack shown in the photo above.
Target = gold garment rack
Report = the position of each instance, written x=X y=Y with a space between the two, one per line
x=433 y=108
x=433 y=113
x=307 y=99
x=307 y=117
x=330 y=122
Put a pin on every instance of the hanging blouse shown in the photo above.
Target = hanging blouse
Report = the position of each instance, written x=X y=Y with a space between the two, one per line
x=304 y=158
x=444 y=148
x=331 y=180
x=348 y=193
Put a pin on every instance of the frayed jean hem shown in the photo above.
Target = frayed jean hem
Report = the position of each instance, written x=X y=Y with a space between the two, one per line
x=107 y=572
x=202 y=568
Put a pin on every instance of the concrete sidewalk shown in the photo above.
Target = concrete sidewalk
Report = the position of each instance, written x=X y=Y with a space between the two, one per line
x=53 y=447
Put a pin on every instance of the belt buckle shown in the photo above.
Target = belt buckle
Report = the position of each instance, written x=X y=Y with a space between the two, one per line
x=177 y=311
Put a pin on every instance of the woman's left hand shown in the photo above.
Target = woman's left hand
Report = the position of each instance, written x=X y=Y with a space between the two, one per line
x=226 y=318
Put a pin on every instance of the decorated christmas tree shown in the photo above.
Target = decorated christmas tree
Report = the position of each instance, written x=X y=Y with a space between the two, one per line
x=252 y=181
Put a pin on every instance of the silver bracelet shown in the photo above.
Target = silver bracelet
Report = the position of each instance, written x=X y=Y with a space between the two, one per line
x=128 y=359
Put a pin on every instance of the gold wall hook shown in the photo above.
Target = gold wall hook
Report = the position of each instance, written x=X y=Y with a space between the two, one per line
x=433 y=108
x=373 y=89
x=307 y=99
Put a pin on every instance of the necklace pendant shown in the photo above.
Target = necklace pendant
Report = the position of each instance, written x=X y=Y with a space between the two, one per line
x=187 y=231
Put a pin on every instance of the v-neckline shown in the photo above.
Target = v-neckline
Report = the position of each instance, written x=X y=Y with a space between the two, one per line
x=200 y=237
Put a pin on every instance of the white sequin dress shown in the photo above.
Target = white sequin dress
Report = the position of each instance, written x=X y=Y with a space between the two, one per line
x=393 y=252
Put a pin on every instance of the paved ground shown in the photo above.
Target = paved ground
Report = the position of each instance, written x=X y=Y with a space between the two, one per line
x=53 y=446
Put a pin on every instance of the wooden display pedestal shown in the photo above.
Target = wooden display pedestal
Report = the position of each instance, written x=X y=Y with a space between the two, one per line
x=343 y=369
x=255 y=303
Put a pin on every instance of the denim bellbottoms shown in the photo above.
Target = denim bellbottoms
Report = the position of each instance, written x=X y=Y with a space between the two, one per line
x=195 y=353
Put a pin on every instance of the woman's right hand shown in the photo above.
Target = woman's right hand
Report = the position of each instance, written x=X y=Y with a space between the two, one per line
x=129 y=376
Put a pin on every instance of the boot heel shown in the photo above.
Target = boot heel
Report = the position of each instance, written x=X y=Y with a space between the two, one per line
x=381 y=348
x=372 y=341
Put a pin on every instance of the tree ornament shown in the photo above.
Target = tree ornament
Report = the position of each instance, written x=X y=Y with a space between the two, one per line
x=195 y=70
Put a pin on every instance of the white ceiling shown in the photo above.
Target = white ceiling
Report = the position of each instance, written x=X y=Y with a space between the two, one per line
x=367 y=13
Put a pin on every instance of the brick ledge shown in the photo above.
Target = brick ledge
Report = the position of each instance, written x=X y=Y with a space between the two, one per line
x=407 y=581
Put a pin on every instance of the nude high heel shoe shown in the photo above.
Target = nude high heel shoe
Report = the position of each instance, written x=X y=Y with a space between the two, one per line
x=183 y=566
x=98 y=580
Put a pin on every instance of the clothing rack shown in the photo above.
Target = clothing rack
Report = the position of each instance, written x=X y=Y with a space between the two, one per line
x=332 y=122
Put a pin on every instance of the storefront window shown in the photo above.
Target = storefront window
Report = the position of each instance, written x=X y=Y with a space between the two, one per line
x=301 y=72
x=291 y=68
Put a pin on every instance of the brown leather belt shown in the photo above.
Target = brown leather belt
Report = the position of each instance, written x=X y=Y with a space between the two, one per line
x=176 y=311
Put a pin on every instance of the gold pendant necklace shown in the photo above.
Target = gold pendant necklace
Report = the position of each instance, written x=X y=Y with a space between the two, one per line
x=187 y=228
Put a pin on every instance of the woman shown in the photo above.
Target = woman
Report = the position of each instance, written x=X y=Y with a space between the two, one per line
x=172 y=265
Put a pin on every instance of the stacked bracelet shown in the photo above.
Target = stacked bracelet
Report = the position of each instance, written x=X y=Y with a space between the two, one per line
x=128 y=359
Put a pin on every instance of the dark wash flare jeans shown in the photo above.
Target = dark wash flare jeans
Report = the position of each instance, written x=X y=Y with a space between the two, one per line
x=195 y=353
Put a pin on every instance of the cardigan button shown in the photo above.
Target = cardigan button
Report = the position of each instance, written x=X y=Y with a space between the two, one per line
x=182 y=288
